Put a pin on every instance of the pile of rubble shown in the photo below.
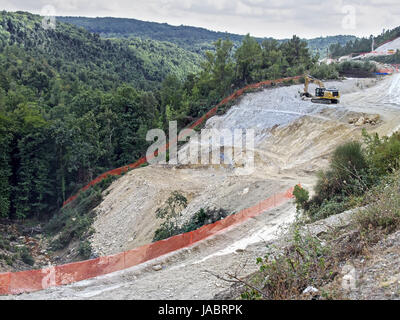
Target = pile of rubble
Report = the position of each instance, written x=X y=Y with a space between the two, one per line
x=365 y=119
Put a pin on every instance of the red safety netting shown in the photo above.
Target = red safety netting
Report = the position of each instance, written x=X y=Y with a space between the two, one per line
x=34 y=280
x=208 y=115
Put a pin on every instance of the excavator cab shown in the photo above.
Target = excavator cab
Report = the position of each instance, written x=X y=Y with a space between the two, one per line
x=320 y=92
x=331 y=95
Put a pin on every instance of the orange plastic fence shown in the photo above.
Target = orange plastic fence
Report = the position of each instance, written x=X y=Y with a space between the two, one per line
x=208 y=115
x=34 y=280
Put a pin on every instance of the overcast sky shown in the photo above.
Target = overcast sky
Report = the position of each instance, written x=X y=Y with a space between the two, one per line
x=262 y=18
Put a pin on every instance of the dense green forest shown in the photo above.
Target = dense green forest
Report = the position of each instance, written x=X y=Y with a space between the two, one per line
x=194 y=39
x=191 y=38
x=364 y=44
x=73 y=105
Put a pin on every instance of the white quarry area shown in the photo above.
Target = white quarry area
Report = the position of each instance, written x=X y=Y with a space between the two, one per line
x=293 y=140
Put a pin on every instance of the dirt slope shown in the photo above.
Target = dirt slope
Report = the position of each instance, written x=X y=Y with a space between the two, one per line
x=291 y=138
x=392 y=45
x=294 y=139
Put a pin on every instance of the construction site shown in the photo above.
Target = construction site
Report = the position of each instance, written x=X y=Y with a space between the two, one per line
x=294 y=139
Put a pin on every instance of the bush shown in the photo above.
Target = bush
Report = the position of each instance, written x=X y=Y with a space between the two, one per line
x=328 y=208
x=166 y=230
x=85 y=249
x=170 y=227
x=383 y=154
x=347 y=174
x=8 y=259
x=352 y=173
x=357 y=68
x=348 y=177
x=4 y=244
x=349 y=159
x=26 y=256
x=382 y=216
x=325 y=71
x=285 y=274
x=171 y=213
x=302 y=196
x=204 y=217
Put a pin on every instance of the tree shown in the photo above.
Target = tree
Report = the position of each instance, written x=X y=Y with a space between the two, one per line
x=297 y=55
x=248 y=56
x=170 y=213
x=5 y=166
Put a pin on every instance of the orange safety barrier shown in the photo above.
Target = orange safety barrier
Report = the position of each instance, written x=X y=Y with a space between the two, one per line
x=199 y=121
x=34 y=280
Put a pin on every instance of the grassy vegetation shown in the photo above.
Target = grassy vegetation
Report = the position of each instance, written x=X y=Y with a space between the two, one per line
x=285 y=274
x=12 y=254
x=382 y=216
x=356 y=68
x=355 y=168
x=360 y=175
x=26 y=256
x=309 y=260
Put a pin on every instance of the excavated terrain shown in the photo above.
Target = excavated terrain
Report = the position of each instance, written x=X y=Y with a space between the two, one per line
x=293 y=140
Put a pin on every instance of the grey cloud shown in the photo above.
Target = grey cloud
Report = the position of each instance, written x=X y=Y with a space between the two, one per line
x=282 y=18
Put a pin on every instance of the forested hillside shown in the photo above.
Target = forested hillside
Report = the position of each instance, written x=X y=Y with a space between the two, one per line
x=73 y=105
x=191 y=38
x=364 y=44
x=321 y=45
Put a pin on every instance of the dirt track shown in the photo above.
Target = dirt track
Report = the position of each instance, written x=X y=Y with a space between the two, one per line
x=285 y=155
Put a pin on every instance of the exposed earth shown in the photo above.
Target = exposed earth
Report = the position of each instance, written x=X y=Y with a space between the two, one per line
x=293 y=140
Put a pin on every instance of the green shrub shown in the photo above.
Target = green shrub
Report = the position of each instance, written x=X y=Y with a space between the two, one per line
x=357 y=67
x=348 y=177
x=8 y=259
x=383 y=154
x=301 y=197
x=26 y=256
x=382 y=215
x=352 y=173
x=285 y=274
x=165 y=231
x=324 y=71
x=328 y=208
x=172 y=211
x=204 y=217
x=85 y=249
x=348 y=159
x=4 y=244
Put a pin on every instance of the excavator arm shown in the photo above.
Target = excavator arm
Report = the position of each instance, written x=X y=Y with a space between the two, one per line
x=309 y=79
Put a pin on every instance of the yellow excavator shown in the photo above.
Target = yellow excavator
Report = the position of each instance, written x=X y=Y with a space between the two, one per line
x=322 y=94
